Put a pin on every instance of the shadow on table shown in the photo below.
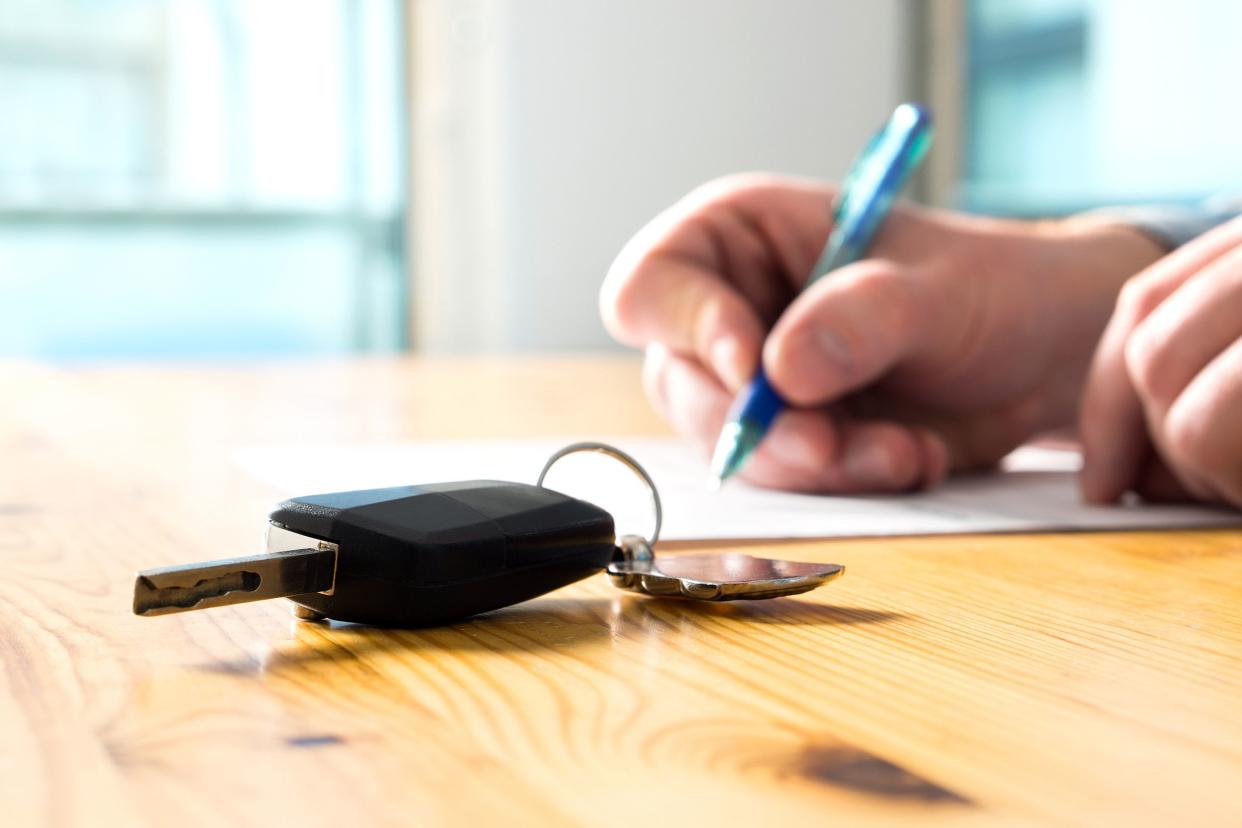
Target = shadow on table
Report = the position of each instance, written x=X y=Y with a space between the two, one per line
x=543 y=626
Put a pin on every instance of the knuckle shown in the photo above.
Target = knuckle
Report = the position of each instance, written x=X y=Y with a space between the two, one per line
x=625 y=297
x=1146 y=363
x=726 y=188
x=655 y=374
x=1139 y=297
x=1188 y=438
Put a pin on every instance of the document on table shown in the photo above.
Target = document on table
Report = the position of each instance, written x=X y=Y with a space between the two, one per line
x=1034 y=491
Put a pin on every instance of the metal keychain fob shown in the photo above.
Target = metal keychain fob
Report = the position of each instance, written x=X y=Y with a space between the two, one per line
x=715 y=576
x=438 y=553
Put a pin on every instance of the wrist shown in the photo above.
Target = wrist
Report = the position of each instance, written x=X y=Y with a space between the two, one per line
x=1058 y=282
x=1094 y=257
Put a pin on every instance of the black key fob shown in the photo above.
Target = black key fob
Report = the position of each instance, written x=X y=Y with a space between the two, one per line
x=422 y=555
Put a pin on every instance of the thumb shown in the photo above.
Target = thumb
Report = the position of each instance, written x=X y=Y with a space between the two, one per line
x=843 y=332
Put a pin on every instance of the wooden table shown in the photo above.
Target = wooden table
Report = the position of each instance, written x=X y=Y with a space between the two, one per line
x=1065 y=680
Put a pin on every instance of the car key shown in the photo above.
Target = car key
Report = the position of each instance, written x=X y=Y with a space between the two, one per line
x=433 y=554
x=404 y=556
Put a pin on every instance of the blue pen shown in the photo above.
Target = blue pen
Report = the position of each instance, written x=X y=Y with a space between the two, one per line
x=866 y=196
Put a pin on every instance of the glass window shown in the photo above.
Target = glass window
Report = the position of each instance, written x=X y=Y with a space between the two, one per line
x=1078 y=103
x=201 y=178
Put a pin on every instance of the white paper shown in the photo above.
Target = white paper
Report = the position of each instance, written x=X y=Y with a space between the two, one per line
x=1036 y=491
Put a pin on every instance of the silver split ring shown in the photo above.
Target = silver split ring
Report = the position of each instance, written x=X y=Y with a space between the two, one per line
x=619 y=455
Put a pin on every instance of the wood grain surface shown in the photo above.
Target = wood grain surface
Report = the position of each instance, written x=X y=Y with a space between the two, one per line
x=1086 y=679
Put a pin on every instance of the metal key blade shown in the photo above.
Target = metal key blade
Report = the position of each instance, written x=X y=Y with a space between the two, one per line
x=168 y=589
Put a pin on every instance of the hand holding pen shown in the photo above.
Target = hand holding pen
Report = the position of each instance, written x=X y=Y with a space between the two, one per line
x=955 y=339
x=861 y=207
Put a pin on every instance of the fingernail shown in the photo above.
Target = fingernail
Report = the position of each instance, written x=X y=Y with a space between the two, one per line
x=868 y=464
x=727 y=362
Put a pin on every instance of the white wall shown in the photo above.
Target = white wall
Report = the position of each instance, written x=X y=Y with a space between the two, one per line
x=545 y=132
x=1143 y=111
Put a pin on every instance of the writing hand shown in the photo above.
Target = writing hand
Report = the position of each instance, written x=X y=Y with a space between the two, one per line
x=955 y=341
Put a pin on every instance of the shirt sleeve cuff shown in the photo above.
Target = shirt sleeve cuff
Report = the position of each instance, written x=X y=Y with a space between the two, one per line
x=1174 y=225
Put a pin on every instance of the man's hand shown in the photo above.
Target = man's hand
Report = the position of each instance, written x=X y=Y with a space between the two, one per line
x=957 y=340
x=1162 y=413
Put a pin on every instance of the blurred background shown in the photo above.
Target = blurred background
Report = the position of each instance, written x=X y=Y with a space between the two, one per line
x=264 y=178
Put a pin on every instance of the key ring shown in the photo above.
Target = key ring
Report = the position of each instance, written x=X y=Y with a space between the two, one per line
x=626 y=460
x=707 y=577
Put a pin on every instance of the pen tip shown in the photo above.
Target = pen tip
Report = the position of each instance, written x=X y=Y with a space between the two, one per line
x=735 y=444
x=714 y=483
